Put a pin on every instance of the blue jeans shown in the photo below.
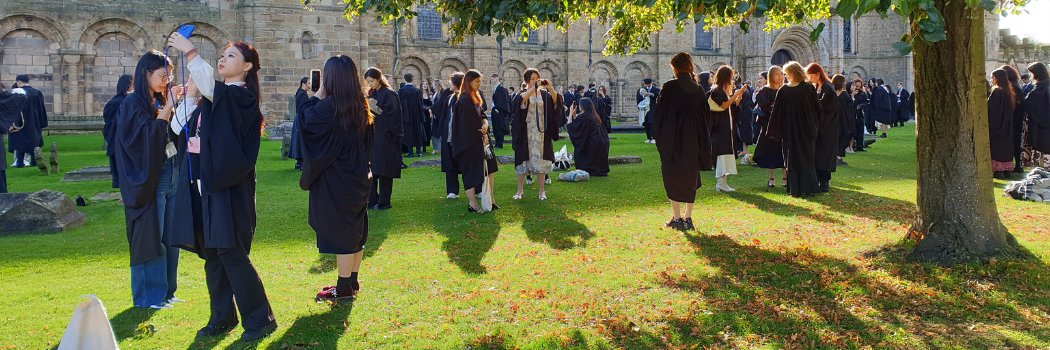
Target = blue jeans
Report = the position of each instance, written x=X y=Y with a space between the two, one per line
x=155 y=281
x=20 y=158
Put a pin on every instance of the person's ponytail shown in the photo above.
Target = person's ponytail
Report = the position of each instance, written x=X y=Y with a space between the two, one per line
x=251 y=79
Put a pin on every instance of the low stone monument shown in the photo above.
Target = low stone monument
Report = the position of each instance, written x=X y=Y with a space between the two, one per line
x=624 y=159
x=279 y=131
x=54 y=158
x=38 y=155
x=98 y=172
x=43 y=211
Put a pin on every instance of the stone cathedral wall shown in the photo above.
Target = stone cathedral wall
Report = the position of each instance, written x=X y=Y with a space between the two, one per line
x=74 y=50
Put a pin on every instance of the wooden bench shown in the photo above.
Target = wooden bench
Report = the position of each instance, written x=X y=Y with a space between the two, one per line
x=74 y=123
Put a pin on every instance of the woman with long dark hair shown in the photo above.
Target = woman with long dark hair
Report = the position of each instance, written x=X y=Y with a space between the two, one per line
x=769 y=153
x=793 y=121
x=215 y=198
x=535 y=129
x=590 y=141
x=469 y=130
x=1018 y=116
x=606 y=111
x=1001 y=103
x=680 y=121
x=295 y=150
x=827 y=140
x=386 y=153
x=337 y=134
x=1036 y=151
x=145 y=164
x=846 y=115
x=722 y=99
x=861 y=104
x=109 y=117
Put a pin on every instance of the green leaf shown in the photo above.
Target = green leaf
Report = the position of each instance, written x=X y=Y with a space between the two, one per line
x=935 y=16
x=847 y=8
x=764 y=5
x=884 y=5
x=928 y=26
x=759 y=13
x=988 y=5
x=742 y=7
x=815 y=34
x=934 y=36
x=745 y=26
x=905 y=37
x=903 y=47
x=866 y=6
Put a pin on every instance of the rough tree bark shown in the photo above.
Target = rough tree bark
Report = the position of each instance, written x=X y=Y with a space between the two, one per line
x=957 y=220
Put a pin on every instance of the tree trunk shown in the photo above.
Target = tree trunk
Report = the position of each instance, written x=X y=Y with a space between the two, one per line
x=957 y=219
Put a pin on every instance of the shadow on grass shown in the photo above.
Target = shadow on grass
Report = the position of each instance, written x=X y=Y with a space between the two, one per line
x=571 y=339
x=855 y=203
x=377 y=234
x=783 y=209
x=468 y=236
x=319 y=331
x=548 y=223
x=131 y=322
x=804 y=299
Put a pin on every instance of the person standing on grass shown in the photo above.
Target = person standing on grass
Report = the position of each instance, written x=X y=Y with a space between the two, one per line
x=146 y=165
x=644 y=97
x=109 y=118
x=827 y=141
x=468 y=131
x=1037 y=118
x=1001 y=104
x=846 y=115
x=215 y=203
x=413 y=115
x=34 y=118
x=793 y=121
x=295 y=150
x=535 y=129
x=861 y=100
x=337 y=134
x=386 y=154
x=11 y=105
x=882 y=105
x=680 y=122
x=769 y=152
x=722 y=98
x=1018 y=116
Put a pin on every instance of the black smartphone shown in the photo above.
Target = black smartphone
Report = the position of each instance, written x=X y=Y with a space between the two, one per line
x=315 y=79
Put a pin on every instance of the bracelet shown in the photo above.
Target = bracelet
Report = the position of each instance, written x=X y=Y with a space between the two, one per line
x=190 y=51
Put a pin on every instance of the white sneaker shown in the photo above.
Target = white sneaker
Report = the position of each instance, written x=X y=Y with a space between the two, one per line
x=743 y=160
x=164 y=305
x=547 y=180
x=850 y=150
x=452 y=196
x=528 y=181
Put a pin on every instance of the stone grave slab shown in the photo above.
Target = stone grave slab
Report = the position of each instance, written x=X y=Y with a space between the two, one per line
x=98 y=172
x=43 y=211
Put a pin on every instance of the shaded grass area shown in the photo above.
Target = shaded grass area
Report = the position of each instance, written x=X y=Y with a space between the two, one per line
x=590 y=268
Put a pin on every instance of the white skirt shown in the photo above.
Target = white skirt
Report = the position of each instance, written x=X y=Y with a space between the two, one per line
x=725 y=165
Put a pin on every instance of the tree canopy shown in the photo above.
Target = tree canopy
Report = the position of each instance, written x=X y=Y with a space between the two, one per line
x=632 y=21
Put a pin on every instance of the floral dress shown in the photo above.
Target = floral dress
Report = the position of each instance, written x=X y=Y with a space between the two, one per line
x=534 y=126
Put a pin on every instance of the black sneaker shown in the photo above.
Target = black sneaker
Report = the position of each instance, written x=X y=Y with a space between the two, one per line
x=689 y=224
x=495 y=207
x=471 y=209
x=212 y=330
x=260 y=333
x=882 y=136
x=839 y=161
x=677 y=224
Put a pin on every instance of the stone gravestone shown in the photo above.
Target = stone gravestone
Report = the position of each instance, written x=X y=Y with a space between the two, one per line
x=43 y=211
x=98 y=172
x=279 y=131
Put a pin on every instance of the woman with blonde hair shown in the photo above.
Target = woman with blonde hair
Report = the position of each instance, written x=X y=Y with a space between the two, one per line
x=769 y=153
x=793 y=121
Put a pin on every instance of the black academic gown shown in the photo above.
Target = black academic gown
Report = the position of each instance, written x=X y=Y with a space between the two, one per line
x=590 y=144
x=412 y=116
x=386 y=154
x=468 y=153
x=606 y=113
x=1037 y=116
x=861 y=103
x=295 y=150
x=882 y=105
x=551 y=122
x=1018 y=120
x=140 y=141
x=827 y=146
x=721 y=125
x=35 y=116
x=904 y=109
x=1001 y=126
x=680 y=126
x=793 y=120
x=335 y=171
x=11 y=106
x=745 y=121
x=846 y=114
x=769 y=152
x=109 y=118
x=223 y=216
x=500 y=110
x=638 y=98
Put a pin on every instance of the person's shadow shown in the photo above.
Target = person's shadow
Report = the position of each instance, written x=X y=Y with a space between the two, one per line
x=318 y=331
x=131 y=321
x=468 y=236
x=549 y=224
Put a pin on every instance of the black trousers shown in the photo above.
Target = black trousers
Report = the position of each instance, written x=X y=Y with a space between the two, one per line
x=380 y=194
x=648 y=130
x=113 y=171
x=20 y=158
x=231 y=276
x=3 y=180
x=823 y=176
x=858 y=134
x=452 y=183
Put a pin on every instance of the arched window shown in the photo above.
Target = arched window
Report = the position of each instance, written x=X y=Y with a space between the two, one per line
x=534 y=37
x=781 y=57
x=308 y=46
x=428 y=23
x=704 y=38
x=847 y=35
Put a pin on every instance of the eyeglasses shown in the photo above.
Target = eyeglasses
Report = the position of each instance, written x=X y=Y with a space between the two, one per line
x=161 y=73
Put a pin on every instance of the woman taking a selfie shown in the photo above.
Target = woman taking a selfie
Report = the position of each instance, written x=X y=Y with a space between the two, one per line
x=219 y=148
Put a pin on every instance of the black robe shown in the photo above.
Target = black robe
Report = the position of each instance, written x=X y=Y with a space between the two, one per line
x=638 y=99
x=140 y=139
x=1001 y=126
x=335 y=171
x=590 y=144
x=847 y=118
x=295 y=150
x=680 y=126
x=746 y=121
x=1037 y=117
x=769 y=152
x=827 y=146
x=606 y=112
x=412 y=115
x=35 y=116
x=442 y=112
x=861 y=104
x=552 y=120
x=793 y=120
x=223 y=216
x=109 y=117
x=386 y=154
x=882 y=105
x=500 y=109
x=11 y=106
x=468 y=155
x=904 y=105
x=721 y=125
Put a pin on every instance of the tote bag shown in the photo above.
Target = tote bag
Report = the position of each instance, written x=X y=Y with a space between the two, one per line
x=89 y=327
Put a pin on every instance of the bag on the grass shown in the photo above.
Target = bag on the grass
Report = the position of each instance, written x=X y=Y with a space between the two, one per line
x=574 y=176
x=89 y=328
x=561 y=159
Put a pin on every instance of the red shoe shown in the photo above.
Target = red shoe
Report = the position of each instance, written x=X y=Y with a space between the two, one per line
x=332 y=294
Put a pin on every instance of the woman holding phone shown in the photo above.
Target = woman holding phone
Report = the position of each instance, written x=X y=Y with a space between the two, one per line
x=216 y=196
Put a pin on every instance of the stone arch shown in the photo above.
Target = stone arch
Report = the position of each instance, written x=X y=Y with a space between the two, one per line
x=604 y=70
x=795 y=40
x=217 y=36
x=858 y=72
x=456 y=63
x=106 y=26
x=54 y=34
x=646 y=72
x=549 y=70
x=511 y=74
x=714 y=67
x=421 y=70
x=307 y=44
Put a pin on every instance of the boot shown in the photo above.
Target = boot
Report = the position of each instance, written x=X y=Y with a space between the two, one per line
x=825 y=186
x=722 y=186
x=54 y=158
x=38 y=155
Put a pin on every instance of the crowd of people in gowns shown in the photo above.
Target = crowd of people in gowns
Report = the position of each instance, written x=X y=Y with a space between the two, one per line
x=1019 y=119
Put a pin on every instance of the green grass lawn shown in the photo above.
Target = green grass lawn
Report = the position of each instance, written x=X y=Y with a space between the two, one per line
x=592 y=267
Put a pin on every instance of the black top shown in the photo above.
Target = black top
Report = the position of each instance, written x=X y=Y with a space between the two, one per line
x=386 y=154
x=413 y=114
x=35 y=116
x=1001 y=126
x=11 y=106
x=846 y=114
x=827 y=128
x=590 y=144
x=109 y=117
x=1037 y=116
x=140 y=142
x=680 y=125
x=295 y=150
x=882 y=105
x=796 y=112
x=721 y=125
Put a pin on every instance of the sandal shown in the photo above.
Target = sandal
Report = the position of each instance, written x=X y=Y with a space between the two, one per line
x=517 y=195
x=771 y=183
x=784 y=182
x=543 y=196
